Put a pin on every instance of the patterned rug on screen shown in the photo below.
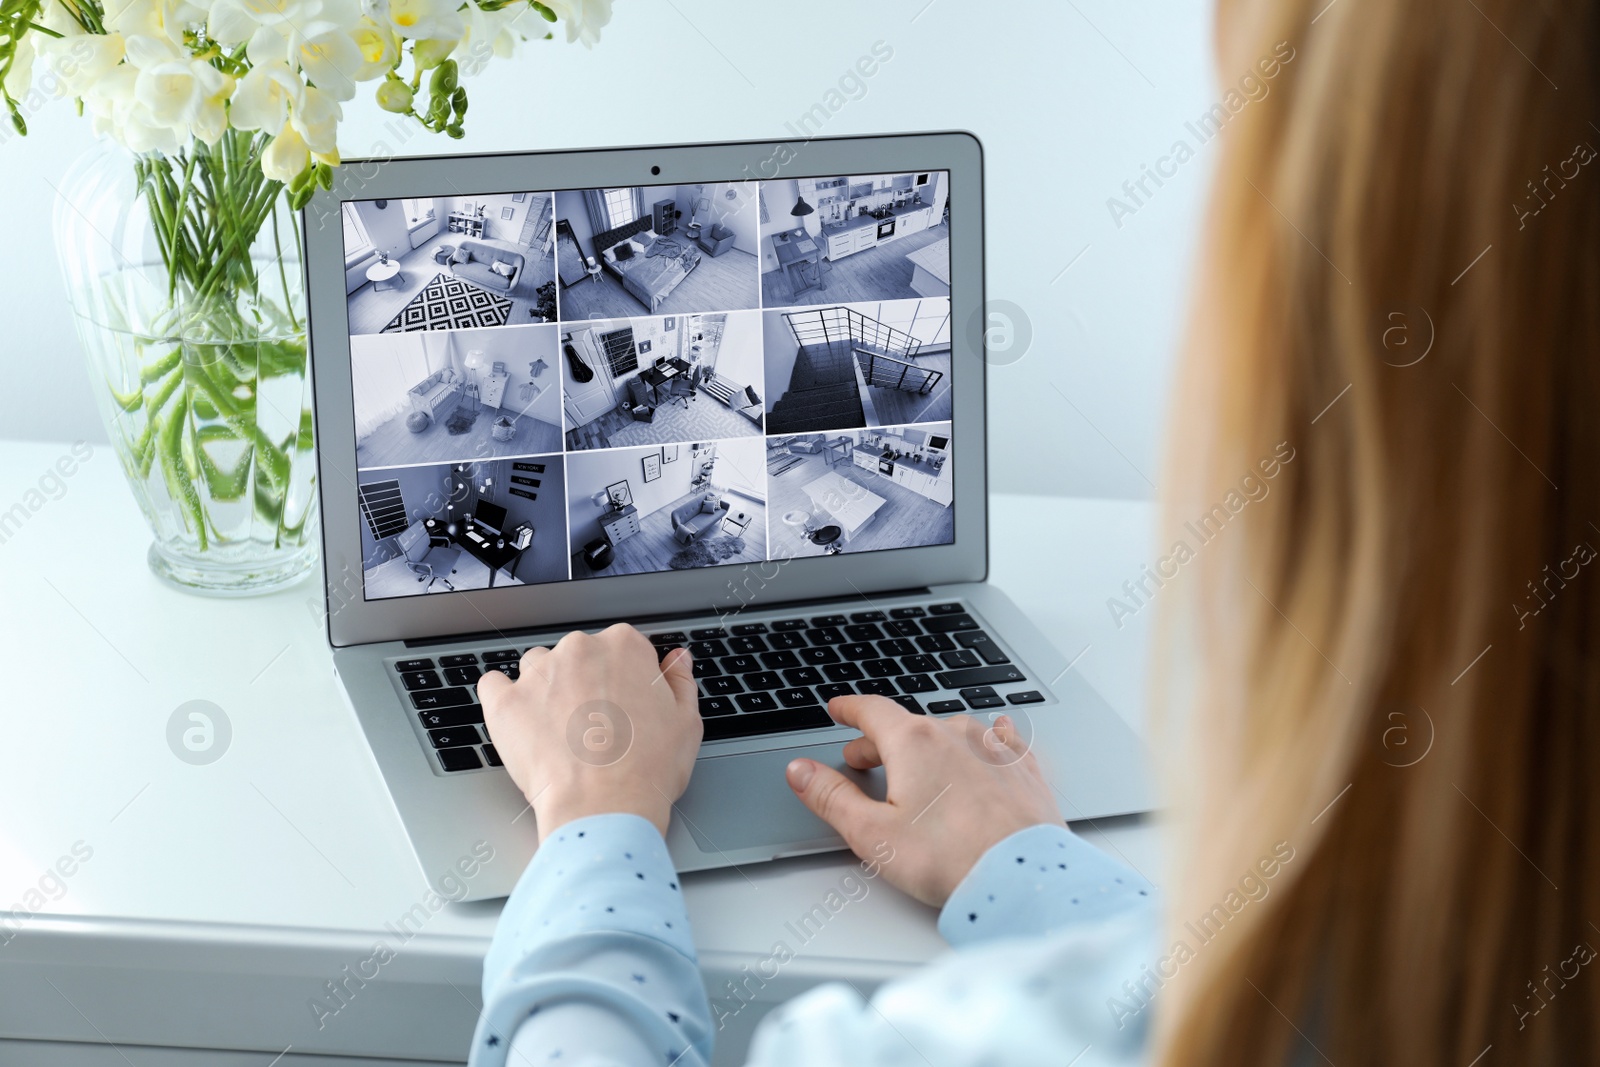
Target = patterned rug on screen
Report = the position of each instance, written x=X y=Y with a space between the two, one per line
x=448 y=303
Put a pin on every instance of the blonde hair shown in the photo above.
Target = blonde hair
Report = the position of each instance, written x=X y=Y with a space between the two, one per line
x=1419 y=574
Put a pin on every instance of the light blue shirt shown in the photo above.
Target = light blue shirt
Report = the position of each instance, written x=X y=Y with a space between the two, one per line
x=593 y=964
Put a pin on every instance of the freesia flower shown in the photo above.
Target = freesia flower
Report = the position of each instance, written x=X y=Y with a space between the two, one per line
x=264 y=96
x=79 y=61
x=426 y=19
x=380 y=49
x=286 y=156
x=584 y=19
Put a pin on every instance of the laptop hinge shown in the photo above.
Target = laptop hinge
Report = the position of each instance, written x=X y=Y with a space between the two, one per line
x=647 y=620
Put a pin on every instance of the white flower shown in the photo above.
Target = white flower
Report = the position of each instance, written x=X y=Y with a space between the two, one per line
x=80 y=60
x=19 y=79
x=331 y=60
x=488 y=34
x=316 y=118
x=286 y=156
x=176 y=90
x=584 y=19
x=434 y=20
x=264 y=96
x=162 y=19
x=380 y=49
x=117 y=113
x=236 y=21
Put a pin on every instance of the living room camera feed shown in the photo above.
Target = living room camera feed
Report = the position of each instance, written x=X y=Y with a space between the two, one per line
x=449 y=262
x=657 y=379
x=658 y=250
x=448 y=527
x=613 y=381
x=667 y=507
x=453 y=395
x=861 y=490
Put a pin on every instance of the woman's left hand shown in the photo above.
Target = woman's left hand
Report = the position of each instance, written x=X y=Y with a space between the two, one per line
x=596 y=726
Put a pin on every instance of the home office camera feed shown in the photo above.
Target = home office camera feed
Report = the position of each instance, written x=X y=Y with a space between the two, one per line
x=584 y=383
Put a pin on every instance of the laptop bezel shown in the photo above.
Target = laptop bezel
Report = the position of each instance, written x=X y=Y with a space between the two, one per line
x=352 y=619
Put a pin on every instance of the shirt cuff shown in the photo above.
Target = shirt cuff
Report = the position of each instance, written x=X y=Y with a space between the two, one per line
x=1035 y=881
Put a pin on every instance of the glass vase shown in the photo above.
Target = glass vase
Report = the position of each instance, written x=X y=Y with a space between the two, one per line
x=184 y=278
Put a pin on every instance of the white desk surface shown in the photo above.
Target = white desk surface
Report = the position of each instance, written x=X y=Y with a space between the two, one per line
x=248 y=883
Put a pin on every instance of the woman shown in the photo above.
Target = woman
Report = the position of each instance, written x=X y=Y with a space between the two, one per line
x=1387 y=693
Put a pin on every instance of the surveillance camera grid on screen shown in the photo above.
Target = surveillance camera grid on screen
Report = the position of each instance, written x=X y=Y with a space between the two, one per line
x=553 y=386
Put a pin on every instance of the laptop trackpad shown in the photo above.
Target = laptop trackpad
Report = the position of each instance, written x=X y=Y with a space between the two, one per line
x=744 y=801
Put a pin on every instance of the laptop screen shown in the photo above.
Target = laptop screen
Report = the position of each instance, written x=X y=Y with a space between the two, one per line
x=587 y=383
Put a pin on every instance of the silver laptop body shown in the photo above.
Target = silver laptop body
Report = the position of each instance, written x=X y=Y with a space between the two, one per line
x=522 y=365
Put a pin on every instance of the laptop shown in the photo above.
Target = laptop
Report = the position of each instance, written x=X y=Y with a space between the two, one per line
x=732 y=394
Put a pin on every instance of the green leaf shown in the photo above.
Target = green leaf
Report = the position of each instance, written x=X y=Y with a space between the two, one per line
x=544 y=12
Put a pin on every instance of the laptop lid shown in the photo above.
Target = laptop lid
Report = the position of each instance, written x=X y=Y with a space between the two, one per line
x=485 y=332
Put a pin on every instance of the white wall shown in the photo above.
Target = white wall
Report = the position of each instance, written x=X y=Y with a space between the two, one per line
x=779 y=352
x=1068 y=98
x=590 y=472
x=739 y=356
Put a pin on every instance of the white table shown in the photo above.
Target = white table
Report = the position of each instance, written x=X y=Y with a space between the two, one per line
x=381 y=272
x=931 y=276
x=219 y=899
x=851 y=506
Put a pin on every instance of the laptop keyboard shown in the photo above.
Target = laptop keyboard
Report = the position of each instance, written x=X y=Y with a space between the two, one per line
x=760 y=678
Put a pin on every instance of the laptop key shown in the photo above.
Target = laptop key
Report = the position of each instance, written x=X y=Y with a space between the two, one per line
x=710 y=633
x=825 y=635
x=466 y=659
x=746 y=645
x=946 y=609
x=763 y=680
x=454 y=736
x=745 y=629
x=414 y=680
x=435 y=720
x=441 y=698
x=783 y=625
x=720 y=687
x=882 y=687
x=803 y=676
x=902 y=628
x=1029 y=696
x=710 y=707
x=670 y=638
x=907 y=613
x=843 y=672
x=706 y=668
x=504 y=655
x=778 y=661
x=982 y=696
x=786 y=641
x=740 y=664
x=896 y=646
x=510 y=670
x=919 y=664
x=961 y=657
x=858 y=650
x=462 y=675
x=865 y=631
x=834 y=689
x=707 y=647
x=827 y=620
x=935 y=643
x=406 y=665
x=756 y=701
x=867 y=616
x=980 y=676
x=950 y=623
x=818 y=656
x=493 y=756
x=983 y=645
x=909 y=703
x=770 y=722
x=916 y=683
x=459 y=759
x=882 y=668
x=939 y=707
x=798 y=697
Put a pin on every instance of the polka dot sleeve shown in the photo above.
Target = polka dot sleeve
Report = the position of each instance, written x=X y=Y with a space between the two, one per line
x=1036 y=881
x=592 y=962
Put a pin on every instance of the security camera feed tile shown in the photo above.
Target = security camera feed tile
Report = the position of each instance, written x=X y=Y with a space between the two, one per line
x=592 y=382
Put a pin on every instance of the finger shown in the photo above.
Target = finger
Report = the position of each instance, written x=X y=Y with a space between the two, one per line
x=493 y=688
x=873 y=715
x=532 y=662
x=678 y=670
x=862 y=753
x=834 y=799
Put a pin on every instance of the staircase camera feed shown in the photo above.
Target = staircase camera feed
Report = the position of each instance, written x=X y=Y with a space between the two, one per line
x=587 y=383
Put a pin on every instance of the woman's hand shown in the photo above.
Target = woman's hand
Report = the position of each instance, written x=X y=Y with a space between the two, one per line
x=595 y=726
x=956 y=787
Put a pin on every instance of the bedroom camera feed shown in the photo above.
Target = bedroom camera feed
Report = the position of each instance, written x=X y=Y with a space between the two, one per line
x=448 y=527
x=590 y=383
x=449 y=262
x=662 y=249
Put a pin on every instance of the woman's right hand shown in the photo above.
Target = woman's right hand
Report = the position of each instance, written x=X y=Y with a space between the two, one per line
x=956 y=787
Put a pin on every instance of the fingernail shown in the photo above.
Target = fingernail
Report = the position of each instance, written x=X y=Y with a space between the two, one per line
x=1003 y=723
x=800 y=772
